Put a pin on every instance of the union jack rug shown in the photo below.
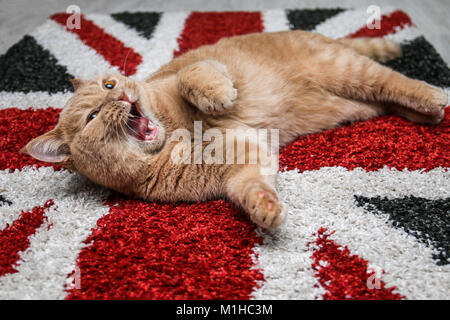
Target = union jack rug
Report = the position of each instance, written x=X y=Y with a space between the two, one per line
x=368 y=203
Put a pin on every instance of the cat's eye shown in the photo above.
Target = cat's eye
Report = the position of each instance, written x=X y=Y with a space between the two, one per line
x=109 y=84
x=92 y=115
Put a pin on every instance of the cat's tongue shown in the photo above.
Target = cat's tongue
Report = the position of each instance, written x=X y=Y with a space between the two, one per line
x=142 y=127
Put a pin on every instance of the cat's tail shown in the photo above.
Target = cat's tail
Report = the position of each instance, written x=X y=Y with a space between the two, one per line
x=376 y=48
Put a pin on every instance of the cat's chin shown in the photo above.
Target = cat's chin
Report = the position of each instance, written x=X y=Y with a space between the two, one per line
x=148 y=146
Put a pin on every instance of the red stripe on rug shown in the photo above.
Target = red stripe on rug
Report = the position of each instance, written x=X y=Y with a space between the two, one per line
x=345 y=276
x=15 y=238
x=203 y=28
x=144 y=250
x=384 y=141
x=17 y=128
x=112 y=49
x=388 y=24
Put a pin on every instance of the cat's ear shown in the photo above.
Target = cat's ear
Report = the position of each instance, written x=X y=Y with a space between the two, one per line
x=77 y=83
x=49 y=147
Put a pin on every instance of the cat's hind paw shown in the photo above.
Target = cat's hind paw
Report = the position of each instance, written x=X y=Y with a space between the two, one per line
x=430 y=100
x=264 y=208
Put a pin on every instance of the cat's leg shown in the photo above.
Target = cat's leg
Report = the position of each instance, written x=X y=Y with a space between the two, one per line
x=357 y=77
x=207 y=85
x=334 y=111
x=379 y=49
x=255 y=193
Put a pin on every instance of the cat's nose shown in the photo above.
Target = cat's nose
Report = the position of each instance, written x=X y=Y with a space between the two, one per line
x=124 y=97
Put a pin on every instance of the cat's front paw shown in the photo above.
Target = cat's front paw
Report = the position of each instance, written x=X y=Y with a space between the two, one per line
x=264 y=207
x=207 y=85
x=217 y=99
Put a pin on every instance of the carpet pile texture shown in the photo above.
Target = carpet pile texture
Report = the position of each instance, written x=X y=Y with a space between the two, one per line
x=368 y=203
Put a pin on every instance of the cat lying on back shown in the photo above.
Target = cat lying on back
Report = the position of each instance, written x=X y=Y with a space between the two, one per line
x=115 y=130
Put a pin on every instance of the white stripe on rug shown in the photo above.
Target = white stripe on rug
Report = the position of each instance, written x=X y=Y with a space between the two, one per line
x=120 y=31
x=10 y=213
x=163 y=44
x=156 y=51
x=43 y=267
x=35 y=100
x=346 y=22
x=405 y=34
x=71 y=52
x=325 y=198
x=275 y=20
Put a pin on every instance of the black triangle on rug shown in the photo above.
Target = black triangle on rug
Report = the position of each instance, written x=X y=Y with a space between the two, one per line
x=143 y=22
x=425 y=219
x=308 y=19
x=27 y=67
x=420 y=60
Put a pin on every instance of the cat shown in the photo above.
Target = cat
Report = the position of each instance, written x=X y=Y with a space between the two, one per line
x=116 y=130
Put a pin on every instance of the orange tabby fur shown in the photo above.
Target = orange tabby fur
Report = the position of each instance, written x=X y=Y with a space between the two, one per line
x=295 y=81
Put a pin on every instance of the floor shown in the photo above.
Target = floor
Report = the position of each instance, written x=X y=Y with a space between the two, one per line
x=18 y=17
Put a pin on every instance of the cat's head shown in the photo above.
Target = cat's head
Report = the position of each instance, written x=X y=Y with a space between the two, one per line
x=105 y=131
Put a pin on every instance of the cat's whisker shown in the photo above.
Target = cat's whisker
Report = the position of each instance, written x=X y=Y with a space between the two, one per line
x=125 y=63
x=131 y=129
x=123 y=129
x=120 y=141
x=105 y=135
x=134 y=132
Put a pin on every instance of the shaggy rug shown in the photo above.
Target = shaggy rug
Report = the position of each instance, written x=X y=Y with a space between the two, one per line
x=368 y=204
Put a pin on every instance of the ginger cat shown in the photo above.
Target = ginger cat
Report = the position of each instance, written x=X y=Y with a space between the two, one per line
x=116 y=131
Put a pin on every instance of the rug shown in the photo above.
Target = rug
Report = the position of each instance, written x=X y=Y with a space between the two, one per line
x=368 y=203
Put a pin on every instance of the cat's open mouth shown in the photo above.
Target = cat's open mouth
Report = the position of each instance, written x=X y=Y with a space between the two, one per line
x=140 y=127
